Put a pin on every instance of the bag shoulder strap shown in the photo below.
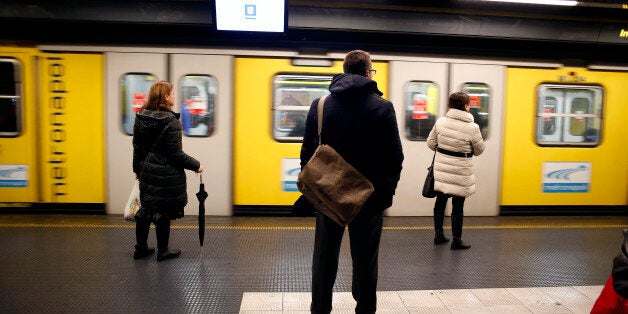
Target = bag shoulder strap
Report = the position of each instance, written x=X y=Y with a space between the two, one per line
x=321 y=104
x=152 y=148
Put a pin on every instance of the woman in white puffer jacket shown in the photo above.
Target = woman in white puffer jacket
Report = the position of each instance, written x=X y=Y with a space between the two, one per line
x=456 y=138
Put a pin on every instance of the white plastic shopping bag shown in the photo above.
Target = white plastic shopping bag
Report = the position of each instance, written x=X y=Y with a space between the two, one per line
x=133 y=204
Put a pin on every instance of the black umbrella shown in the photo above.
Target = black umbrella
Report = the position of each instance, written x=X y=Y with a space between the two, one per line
x=201 y=195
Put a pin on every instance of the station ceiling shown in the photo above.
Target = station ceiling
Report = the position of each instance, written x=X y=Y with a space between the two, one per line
x=591 y=30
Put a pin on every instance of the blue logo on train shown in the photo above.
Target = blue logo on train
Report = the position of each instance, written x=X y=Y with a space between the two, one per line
x=564 y=174
x=566 y=177
x=13 y=176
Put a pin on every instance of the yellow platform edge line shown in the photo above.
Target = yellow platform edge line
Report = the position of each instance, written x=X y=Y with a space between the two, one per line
x=132 y=225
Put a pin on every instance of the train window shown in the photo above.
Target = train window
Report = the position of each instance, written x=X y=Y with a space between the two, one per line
x=10 y=99
x=479 y=97
x=421 y=103
x=569 y=115
x=549 y=124
x=292 y=96
x=197 y=95
x=134 y=88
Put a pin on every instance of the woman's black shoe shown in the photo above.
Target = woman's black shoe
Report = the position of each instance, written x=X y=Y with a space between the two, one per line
x=440 y=239
x=457 y=244
x=141 y=252
x=163 y=255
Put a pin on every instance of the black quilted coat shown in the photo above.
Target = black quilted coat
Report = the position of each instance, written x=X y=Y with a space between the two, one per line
x=159 y=160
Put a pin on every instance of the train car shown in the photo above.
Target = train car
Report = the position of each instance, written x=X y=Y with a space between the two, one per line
x=553 y=133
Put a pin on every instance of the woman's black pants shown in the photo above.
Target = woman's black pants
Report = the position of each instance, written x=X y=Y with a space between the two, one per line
x=456 y=213
x=162 y=229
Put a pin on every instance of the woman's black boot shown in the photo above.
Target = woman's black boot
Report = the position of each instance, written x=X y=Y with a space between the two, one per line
x=439 y=216
x=164 y=254
x=457 y=244
x=162 y=227
x=440 y=238
x=142 y=250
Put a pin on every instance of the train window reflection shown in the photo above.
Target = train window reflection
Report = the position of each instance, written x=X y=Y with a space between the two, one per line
x=197 y=95
x=569 y=115
x=479 y=99
x=421 y=103
x=134 y=88
x=292 y=96
x=10 y=99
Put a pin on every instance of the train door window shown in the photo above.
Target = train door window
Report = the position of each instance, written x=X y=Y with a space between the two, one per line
x=549 y=124
x=421 y=103
x=292 y=96
x=10 y=99
x=197 y=95
x=569 y=115
x=134 y=88
x=479 y=97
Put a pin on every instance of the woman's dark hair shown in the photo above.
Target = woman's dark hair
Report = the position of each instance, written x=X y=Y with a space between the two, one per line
x=357 y=62
x=157 y=96
x=458 y=101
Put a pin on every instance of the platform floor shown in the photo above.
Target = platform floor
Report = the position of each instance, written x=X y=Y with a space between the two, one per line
x=83 y=263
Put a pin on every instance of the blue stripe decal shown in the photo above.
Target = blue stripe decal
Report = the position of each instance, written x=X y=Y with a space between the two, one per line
x=13 y=183
x=565 y=187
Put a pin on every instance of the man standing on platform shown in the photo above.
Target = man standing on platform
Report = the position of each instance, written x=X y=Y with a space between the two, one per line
x=362 y=127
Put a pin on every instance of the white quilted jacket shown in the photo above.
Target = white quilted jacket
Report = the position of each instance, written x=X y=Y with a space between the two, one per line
x=455 y=132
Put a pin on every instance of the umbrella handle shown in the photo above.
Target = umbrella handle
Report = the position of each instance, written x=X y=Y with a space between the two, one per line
x=201 y=177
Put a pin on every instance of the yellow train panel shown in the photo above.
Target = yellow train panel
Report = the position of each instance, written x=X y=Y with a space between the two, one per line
x=72 y=128
x=257 y=155
x=20 y=152
x=523 y=158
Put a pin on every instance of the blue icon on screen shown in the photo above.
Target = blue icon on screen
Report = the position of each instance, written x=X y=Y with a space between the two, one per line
x=250 y=11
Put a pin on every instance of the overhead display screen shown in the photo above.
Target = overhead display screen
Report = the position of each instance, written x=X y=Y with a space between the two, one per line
x=251 y=15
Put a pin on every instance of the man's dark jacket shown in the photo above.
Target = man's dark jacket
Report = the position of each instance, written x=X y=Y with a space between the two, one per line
x=161 y=166
x=362 y=127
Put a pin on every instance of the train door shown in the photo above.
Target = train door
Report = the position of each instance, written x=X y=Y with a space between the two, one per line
x=418 y=91
x=485 y=86
x=201 y=88
x=272 y=98
x=203 y=93
x=18 y=130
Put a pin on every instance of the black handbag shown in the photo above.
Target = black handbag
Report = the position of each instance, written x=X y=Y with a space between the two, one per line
x=428 y=185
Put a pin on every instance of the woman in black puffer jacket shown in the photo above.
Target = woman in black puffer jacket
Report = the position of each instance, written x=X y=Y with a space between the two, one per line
x=159 y=163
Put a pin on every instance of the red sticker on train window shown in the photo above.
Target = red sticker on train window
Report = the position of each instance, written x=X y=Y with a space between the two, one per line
x=548 y=110
x=138 y=101
x=474 y=101
x=419 y=109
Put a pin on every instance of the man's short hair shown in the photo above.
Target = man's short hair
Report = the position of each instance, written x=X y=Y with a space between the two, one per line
x=458 y=100
x=357 y=62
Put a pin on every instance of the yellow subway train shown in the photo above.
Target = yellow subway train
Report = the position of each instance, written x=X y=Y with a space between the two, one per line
x=555 y=135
